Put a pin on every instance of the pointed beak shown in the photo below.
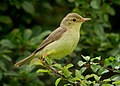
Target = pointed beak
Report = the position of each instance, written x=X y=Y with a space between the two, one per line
x=85 y=19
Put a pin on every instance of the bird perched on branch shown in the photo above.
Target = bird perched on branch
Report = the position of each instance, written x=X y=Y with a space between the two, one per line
x=61 y=42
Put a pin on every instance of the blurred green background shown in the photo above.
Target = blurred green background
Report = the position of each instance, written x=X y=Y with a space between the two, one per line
x=25 y=23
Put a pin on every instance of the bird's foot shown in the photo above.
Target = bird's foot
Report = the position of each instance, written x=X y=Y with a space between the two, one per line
x=45 y=55
x=42 y=58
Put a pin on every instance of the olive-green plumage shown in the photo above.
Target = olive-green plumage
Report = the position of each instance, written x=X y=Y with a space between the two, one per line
x=61 y=41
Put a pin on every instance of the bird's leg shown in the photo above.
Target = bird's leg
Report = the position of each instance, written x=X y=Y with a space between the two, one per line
x=47 y=62
x=46 y=55
x=42 y=58
x=48 y=66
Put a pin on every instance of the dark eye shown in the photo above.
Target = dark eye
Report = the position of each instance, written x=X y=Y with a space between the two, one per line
x=74 y=20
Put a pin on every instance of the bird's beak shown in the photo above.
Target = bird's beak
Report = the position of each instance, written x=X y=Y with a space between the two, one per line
x=85 y=19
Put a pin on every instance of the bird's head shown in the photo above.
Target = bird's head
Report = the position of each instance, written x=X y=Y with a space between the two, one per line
x=73 y=20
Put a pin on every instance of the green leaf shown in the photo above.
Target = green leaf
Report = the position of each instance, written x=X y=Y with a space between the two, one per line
x=49 y=60
x=106 y=85
x=66 y=72
x=83 y=69
x=78 y=74
x=10 y=73
x=7 y=57
x=106 y=17
x=114 y=51
x=92 y=75
x=117 y=67
x=118 y=71
x=96 y=84
x=115 y=77
x=68 y=84
x=36 y=30
x=111 y=11
x=27 y=34
x=96 y=58
x=81 y=63
x=96 y=77
x=95 y=4
x=117 y=57
x=95 y=67
x=14 y=33
x=28 y=7
x=2 y=66
x=57 y=66
x=57 y=81
x=5 y=19
x=70 y=65
x=107 y=80
x=99 y=30
x=117 y=82
x=106 y=62
x=87 y=58
x=79 y=2
x=102 y=71
x=111 y=58
x=7 y=43
x=42 y=70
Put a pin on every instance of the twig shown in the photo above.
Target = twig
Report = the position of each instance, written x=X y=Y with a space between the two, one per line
x=52 y=68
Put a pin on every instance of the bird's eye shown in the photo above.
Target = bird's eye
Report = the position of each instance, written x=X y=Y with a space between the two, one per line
x=74 y=20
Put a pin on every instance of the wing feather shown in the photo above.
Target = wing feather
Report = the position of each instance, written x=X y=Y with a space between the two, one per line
x=55 y=35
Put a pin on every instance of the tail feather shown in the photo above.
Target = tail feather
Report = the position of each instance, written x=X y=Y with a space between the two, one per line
x=20 y=63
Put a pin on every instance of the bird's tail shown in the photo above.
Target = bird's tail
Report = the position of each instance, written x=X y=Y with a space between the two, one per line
x=20 y=63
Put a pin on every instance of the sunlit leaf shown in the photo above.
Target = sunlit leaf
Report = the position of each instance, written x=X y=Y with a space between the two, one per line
x=92 y=75
x=87 y=58
x=70 y=65
x=42 y=70
x=78 y=74
x=106 y=85
x=81 y=63
x=102 y=71
x=66 y=72
x=83 y=69
x=57 y=81
x=95 y=67
x=57 y=66
x=96 y=58
x=117 y=82
x=115 y=77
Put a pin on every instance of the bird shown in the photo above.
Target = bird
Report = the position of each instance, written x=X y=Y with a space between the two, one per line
x=61 y=42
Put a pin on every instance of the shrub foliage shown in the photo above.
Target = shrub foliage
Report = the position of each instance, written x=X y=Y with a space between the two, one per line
x=25 y=23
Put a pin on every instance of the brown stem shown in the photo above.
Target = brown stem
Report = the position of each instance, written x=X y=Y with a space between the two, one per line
x=52 y=68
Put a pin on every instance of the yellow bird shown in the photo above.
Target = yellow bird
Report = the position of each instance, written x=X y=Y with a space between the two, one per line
x=61 y=42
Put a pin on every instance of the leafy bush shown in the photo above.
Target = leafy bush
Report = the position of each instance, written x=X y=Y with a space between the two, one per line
x=25 y=23
x=89 y=72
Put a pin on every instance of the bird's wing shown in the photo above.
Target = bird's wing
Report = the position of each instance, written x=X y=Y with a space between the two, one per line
x=55 y=35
